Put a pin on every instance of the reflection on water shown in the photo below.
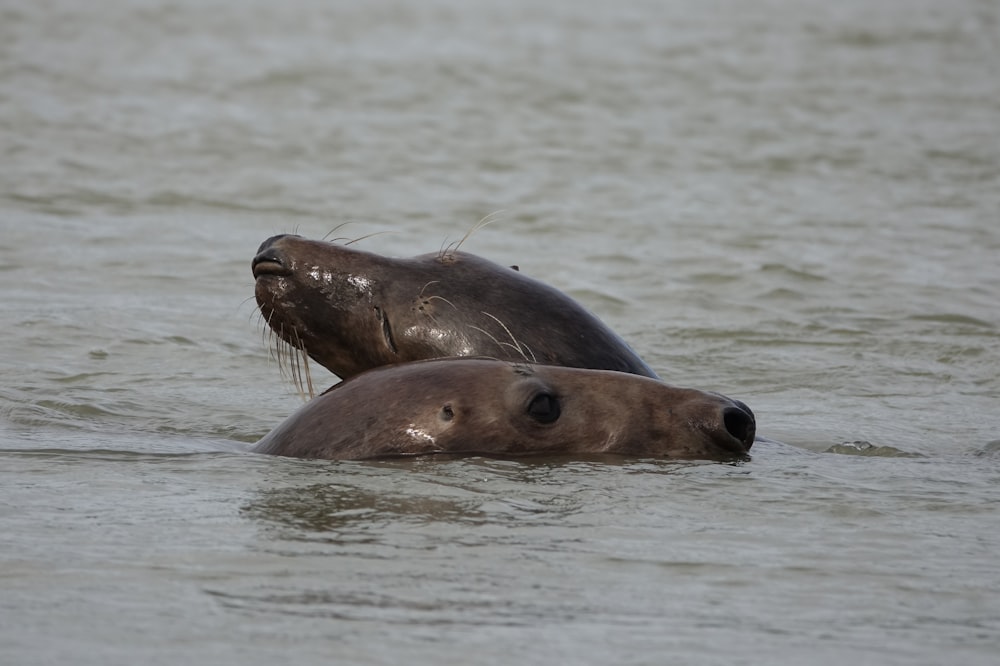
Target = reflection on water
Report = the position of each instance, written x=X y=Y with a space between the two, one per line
x=358 y=497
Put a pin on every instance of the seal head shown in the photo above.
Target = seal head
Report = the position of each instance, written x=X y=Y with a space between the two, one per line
x=489 y=407
x=351 y=310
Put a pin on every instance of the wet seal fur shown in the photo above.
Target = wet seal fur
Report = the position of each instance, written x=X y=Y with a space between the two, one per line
x=496 y=408
x=351 y=310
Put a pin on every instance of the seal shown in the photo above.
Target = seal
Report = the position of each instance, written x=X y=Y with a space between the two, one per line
x=497 y=408
x=351 y=310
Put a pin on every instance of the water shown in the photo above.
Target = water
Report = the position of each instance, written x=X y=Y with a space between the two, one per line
x=794 y=203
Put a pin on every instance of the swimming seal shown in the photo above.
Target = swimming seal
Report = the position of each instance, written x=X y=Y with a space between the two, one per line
x=351 y=310
x=490 y=407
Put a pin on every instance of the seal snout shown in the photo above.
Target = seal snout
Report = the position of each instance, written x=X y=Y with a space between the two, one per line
x=270 y=260
x=740 y=424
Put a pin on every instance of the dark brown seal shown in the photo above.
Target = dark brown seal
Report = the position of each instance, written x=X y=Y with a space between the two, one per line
x=351 y=310
x=489 y=407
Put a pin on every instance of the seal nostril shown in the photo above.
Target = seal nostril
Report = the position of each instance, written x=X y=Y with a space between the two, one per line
x=272 y=240
x=271 y=259
x=544 y=408
x=268 y=261
x=739 y=423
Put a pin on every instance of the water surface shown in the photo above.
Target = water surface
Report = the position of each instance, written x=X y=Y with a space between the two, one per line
x=793 y=203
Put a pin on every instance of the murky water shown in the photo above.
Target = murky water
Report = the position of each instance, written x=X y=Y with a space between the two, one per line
x=794 y=203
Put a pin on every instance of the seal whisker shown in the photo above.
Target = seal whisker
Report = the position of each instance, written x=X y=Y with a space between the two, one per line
x=516 y=344
x=428 y=299
x=435 y=297
x=337 y=228
x=265 y=330
x=256 y=318
x=309 y=380
x=530 y=353
x=301 y=364
x=279 y=353
x=453 y=247
x=245 y=301
x=504 y=344
x=270 y=334
x=266 y=333
x=290 y=356
x=491 y=337
x=422 y=289
x=294 y=372
x=366 y=236
x=442 y=298
x=274 y=350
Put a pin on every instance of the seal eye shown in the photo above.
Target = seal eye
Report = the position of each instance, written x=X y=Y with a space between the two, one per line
x=386 y=329
x=544 y=408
